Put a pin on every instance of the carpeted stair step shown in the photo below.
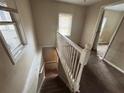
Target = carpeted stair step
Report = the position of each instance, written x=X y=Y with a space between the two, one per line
x=54 y=85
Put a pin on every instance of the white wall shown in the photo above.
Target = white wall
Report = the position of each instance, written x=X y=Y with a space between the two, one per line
x=13 y=78
x=45 y=14
x=116 y=52
x=113 y=19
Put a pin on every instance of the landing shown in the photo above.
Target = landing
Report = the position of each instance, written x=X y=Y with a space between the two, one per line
x=50 y=61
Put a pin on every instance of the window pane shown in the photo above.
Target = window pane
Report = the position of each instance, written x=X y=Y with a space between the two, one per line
x=11 y=36
x=5 y=16
x=65 y=23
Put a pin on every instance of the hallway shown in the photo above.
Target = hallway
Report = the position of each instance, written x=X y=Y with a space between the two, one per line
x=100 y=77
x=92 y=80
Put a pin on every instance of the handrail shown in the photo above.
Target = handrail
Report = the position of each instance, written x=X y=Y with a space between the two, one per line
x=78 y=48
x=73 y=59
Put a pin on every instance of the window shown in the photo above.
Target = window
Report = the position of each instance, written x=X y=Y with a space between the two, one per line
x=65 y=24
x=9 y=34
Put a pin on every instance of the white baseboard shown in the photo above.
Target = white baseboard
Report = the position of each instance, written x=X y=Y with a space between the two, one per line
x=120 y=70
x=47 y=46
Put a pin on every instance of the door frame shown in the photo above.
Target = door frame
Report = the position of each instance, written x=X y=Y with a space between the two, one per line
x=98 y=27
x=113 y=36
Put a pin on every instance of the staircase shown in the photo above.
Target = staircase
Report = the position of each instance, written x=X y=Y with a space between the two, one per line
x=72 y=58
x=54 y=85
x=52 y=82
x=98 y=77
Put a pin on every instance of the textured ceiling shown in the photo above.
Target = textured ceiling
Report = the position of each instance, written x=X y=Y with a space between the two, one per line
x=80 y=2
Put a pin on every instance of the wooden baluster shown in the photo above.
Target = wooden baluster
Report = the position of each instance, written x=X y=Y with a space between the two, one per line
x=77 y=71
x=83 y=60
x=67 y=53
x=75 y=63
x=70 y=49
x=73 y=59
x=70 y=56
x=63 y=52
x=65 y=56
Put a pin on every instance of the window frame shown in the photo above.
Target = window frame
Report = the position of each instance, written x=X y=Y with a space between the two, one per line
x=16 y=53
x=70 y=28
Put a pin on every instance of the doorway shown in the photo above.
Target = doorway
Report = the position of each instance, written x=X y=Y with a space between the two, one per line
x=109 y=25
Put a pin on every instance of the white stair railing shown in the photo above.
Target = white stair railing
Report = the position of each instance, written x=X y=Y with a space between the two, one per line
x=73 y=59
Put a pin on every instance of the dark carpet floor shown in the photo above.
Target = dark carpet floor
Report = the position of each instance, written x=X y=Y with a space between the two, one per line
x=97 y=77
x=100 y=77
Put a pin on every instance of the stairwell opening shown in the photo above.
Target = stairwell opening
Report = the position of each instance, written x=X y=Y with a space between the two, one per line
x=50 y=61
x=52 y=83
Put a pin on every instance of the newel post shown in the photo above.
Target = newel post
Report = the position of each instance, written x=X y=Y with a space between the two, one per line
x=85 y=54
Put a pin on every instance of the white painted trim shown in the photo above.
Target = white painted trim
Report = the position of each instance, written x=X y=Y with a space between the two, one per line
x=93 y=39
x=42 y=68
x=116 y=67
x=47 y=46
x=51 y=62
x=113 y=37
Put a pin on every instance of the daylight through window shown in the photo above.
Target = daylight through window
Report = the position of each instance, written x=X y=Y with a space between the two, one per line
x=65 y=24
x=9 y=33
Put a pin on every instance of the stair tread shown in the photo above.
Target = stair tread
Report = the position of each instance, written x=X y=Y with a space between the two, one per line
x=54 y=85
x=55 y=91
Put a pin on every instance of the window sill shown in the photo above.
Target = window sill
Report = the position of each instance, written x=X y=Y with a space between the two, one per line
x=18 y=55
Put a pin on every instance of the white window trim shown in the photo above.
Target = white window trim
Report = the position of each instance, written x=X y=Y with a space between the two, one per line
x=70 y=30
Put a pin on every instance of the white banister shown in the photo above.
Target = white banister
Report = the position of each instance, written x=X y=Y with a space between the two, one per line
x=73 y=58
